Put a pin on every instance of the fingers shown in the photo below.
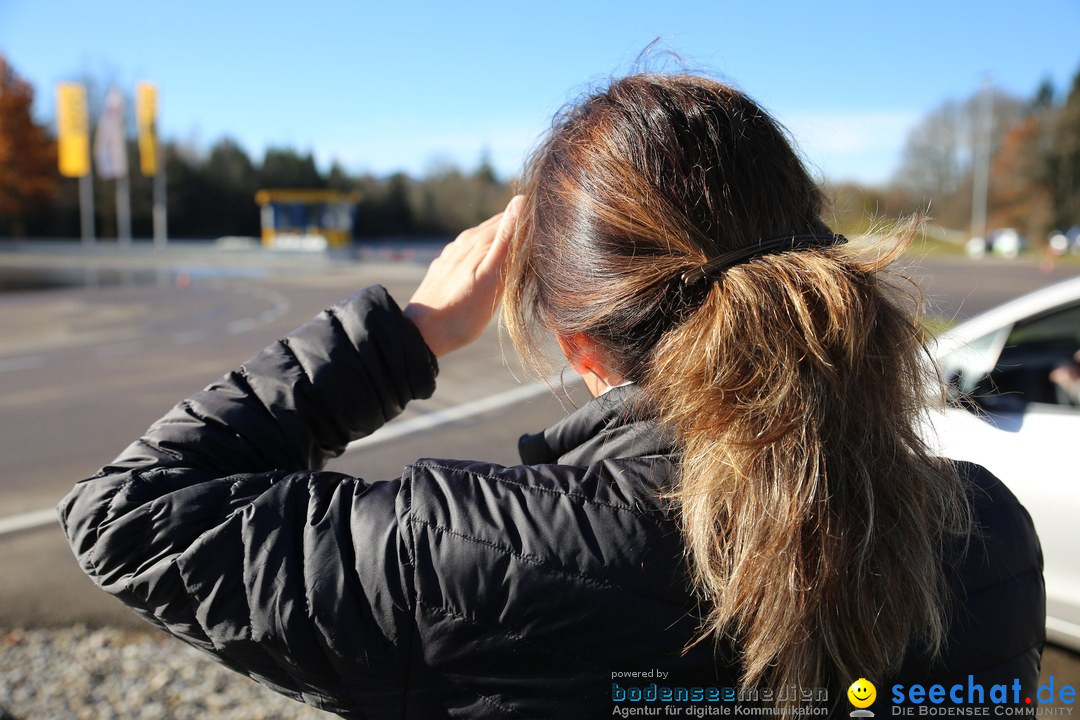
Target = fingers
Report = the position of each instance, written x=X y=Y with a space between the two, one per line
x=485 y=230
x=491 y=220
x=473 y=242
x=500 y=242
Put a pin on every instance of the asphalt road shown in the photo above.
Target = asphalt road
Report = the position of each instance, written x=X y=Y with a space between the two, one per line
x=955 y=288
x=83 y=371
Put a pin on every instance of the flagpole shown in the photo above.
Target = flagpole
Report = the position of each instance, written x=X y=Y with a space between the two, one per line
x=161 y=232
x=123 y=210
x=86 y=209
x=980 y=189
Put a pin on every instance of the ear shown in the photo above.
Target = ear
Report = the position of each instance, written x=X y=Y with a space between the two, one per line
x=588 y=360
x=584 y=354
x=571 y=348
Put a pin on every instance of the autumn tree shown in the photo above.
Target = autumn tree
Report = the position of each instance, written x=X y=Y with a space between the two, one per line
x=1020 y=193
x=1063 y=166
x=1036 y=177
x=28 y=174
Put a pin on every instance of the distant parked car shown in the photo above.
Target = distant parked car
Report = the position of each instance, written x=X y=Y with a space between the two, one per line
x=1007 y=415
x=1006 y=243
x=1058 y=242
x=1072 y=239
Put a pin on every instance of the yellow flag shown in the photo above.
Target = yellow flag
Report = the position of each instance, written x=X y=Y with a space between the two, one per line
x=73 y=130
x=146 y=120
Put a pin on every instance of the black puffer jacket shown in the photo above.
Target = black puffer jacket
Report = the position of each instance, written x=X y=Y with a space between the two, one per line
x=463 y=589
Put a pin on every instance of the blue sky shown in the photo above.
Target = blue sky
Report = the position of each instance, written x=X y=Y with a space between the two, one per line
x=382 y=88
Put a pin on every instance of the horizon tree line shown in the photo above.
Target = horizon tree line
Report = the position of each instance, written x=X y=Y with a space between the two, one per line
x=1034 y=183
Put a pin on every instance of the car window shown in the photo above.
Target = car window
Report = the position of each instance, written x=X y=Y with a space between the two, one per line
x=969 y=364
x=1033 y=350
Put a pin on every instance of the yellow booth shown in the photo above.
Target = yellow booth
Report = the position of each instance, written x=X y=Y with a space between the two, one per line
x=306 y=219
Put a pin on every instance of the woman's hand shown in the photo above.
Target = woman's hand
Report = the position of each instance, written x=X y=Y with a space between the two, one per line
x=463 y=286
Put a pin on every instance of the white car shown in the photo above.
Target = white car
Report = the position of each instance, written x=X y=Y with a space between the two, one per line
x=1008 y=416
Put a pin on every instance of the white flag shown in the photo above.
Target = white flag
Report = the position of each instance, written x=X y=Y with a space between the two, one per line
x=110 y=141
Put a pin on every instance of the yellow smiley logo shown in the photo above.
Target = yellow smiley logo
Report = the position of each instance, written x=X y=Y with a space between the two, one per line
x=862 y=693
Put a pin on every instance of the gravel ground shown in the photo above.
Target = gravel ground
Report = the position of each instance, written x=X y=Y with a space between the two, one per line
x=78 y=672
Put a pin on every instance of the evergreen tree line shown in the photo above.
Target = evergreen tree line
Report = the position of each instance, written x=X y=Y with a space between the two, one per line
x=212 y=194
x=1034 y=147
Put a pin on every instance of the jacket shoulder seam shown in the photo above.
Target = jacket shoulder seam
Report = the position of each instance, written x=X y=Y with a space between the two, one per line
x=531 y=559
x=533 y=488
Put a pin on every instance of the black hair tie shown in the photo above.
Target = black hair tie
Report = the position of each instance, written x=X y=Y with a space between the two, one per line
x=713 y=268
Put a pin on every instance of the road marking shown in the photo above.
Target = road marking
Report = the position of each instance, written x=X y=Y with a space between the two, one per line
x=27 y=520
x=427 y=421
x=189 y=336
x=119 y=348
x=390 y=431
x=21 y=363
x=239 y=326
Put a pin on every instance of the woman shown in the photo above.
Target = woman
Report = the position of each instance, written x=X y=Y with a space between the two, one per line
x=746 y=503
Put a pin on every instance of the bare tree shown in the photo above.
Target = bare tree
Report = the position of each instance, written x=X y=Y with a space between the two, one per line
x=935 y=155
x=936 y=165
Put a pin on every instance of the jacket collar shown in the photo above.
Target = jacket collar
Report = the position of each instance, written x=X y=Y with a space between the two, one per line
x=613 y=425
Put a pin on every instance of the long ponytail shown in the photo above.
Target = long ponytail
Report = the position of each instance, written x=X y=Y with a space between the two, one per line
x=811 y=509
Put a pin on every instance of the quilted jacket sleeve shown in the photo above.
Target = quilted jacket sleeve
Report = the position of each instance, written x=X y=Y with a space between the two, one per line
x=218 y=525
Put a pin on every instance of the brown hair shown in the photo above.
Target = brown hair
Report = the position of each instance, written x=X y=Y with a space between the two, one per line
x=813 y=514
